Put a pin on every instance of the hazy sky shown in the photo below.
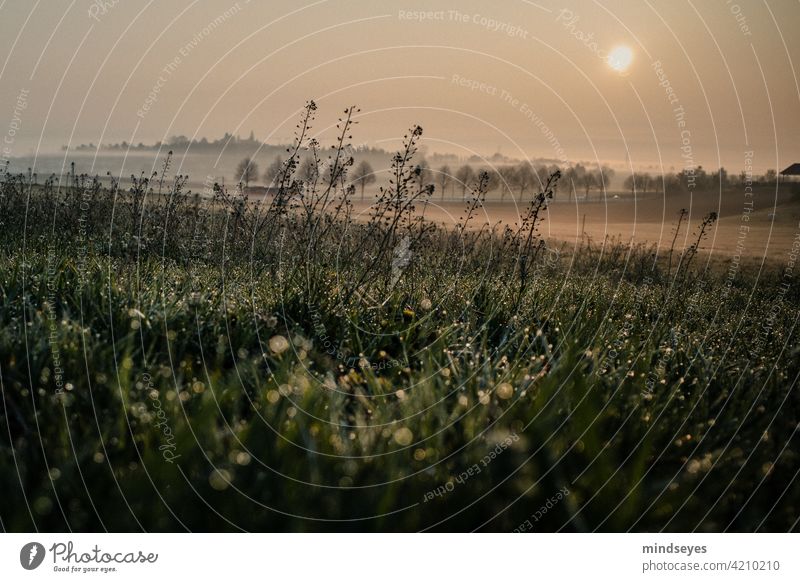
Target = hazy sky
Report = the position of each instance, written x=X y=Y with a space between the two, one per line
x=526 y=78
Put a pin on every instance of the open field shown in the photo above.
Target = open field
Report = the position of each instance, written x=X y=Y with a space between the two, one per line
x=771 y=226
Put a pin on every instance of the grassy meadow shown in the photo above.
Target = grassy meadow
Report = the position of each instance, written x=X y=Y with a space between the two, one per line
x=174 y=362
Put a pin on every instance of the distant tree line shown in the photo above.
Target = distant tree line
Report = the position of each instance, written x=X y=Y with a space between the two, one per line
x=228 y=141
x=523 y=179
x=179 y=142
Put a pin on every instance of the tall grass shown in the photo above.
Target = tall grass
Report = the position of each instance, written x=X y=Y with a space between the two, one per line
x=283 y=364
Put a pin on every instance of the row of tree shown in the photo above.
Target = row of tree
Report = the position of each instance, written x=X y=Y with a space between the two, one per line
x=520 y=179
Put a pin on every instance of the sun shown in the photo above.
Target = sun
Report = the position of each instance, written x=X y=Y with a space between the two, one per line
x=620 y=58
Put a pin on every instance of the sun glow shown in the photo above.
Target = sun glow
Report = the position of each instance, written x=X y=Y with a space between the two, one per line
x=620 y=58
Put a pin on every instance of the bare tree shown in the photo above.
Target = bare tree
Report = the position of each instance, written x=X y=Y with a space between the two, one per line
x=647 y=182
x=571 y=175
x=445 y=177
x=720 y=177
x=524 y=178
x=507 y=178
x=424 y=171
x=464 y=176
x=493 y=181
x=247 y=171
x=588 y=181
x=273 y=171
x=631 y=182
x=743 y=178
x=603 y=177
x=308 y=170
x=639 y=181
x=363 y=175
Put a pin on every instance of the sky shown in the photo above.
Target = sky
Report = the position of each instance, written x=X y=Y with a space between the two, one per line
x=709 y=82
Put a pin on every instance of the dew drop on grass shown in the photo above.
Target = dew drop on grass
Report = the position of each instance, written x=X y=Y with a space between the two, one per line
x=504 y=391
x=403 y=436
x=278 y=344
x=219 y=479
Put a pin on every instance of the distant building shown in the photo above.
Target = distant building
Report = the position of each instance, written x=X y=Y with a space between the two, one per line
x=793 y=170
